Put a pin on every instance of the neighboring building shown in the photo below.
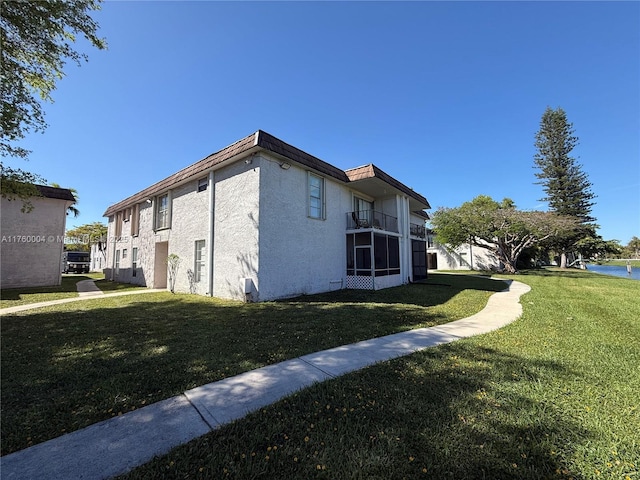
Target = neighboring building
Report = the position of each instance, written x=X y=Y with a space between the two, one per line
x=32 y=243
x=465 y=257
x=98 y=250
x=261 y=220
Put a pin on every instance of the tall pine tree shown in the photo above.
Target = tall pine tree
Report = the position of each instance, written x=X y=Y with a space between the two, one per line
x=567 y=187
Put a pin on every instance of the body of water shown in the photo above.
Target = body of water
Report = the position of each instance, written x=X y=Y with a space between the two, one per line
x=614 y=270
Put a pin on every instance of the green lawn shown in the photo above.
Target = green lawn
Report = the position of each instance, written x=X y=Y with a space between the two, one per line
x=12 y=297
x=622 y=263
x=67 y=366
x=554 y=395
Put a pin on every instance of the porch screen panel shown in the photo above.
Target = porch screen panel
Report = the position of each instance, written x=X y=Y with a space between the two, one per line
x=380 y=253
x=394 y=256
x=350 y=255
x=363 y=261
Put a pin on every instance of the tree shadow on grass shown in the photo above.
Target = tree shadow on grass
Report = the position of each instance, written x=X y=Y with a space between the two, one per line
x=66 y=368
x=457 y=411
x=436 y=290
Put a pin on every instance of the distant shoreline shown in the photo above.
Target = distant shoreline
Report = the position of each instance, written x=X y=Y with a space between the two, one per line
x=619 y=271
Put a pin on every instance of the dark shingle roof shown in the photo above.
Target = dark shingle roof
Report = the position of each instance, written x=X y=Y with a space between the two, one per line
x=275 y=145
x=54 y=192
x=257 y=141
x=237 y=148
x=371 y=171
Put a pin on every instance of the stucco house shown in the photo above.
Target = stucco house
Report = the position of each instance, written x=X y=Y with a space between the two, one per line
x=465 y=257
x=33 y=242
x=262 y=220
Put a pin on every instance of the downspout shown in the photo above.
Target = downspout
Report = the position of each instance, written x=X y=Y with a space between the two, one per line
x=403 y=216
x=407 y=241
x=113 y=253
x=212 y=223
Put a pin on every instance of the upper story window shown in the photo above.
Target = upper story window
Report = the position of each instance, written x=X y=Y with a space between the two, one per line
x=203 y=183
x=163 y=211
x=316 y=197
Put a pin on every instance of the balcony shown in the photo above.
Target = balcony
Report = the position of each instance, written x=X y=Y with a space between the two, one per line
x=371 y=219
x=417 y=230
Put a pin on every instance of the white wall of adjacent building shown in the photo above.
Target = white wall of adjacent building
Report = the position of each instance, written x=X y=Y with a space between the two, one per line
x=32 y=243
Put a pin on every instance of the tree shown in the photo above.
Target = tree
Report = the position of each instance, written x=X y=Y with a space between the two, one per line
x=173 y=262
x=81 y=238
x=634 y=247
x=36 y=41
x=72 y=208
x=594 y=246
x=18 y=184
x=499 y=227
x=567 y=187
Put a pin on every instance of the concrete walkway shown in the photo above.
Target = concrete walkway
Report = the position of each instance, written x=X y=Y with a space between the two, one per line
x=88 y=288
x=115 y=446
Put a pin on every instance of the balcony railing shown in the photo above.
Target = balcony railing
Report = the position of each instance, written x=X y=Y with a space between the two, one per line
x=372 y=219
x=417 y=230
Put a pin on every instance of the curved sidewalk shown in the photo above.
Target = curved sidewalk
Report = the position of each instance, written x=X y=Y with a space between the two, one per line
x=117 y=445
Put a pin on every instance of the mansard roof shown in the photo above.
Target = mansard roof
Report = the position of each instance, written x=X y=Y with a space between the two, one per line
x=256 y=142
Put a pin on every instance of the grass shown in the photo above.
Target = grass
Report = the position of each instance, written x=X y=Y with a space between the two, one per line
x=109 y=286
x=12 y=297
x=67 y=366
x=553 y=395
x=622 y=263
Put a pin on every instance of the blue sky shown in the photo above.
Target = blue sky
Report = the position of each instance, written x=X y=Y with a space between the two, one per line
x=444 y=96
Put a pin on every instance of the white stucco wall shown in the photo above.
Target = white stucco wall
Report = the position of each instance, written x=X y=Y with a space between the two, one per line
x=464 y=258
x=144 y=242
x=262 y=232
x=32 y=243
x=298 y=254
x=98 y=258
x=189 y=222
x=237 y=216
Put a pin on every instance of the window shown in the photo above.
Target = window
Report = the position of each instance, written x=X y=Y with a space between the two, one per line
x=134 y=261
x=124 y=253
x=316 y=196
x=203 y=183
x=198 y=266
x=163 y=212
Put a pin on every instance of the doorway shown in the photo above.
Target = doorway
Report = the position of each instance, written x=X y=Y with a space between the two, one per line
x=419 y=259
x=160 y=265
